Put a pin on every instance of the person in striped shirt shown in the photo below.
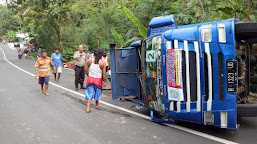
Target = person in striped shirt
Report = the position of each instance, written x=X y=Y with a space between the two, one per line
x=42 y=67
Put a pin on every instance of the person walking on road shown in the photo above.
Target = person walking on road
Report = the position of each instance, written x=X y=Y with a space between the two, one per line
x=80 y=62
x=26 y=52
x=42 y=67
x=106 y=59
x=96 y=71
x=20 y=54
x=58 y=64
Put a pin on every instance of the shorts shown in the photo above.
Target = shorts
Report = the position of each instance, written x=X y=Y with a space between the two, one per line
x=93 y=91
x=44 y=80
x=57 y=69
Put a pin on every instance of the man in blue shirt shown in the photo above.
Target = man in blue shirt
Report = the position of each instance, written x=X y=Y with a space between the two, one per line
x=58 y=63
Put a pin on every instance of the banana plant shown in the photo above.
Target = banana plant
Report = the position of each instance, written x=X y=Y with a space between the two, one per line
x=11 y=35
x=117 y=36
x=120 y=39
x=141 y=28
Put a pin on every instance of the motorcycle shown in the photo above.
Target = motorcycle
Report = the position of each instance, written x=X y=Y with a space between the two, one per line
x=20 y=55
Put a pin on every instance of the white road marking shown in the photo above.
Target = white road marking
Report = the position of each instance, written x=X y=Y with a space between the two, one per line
x=69 y=69
x=132 y=112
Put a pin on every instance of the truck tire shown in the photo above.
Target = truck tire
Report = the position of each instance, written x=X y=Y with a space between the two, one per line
x=253 y=79
x=247 y=110
x=245 y=30
x=253 y=87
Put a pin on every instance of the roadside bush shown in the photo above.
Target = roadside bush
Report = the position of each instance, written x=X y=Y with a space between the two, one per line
x=68 y=55
x=34 y=55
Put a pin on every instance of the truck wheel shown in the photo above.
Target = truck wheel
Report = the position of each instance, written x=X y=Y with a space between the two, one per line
x=245 y=30
x=253 y=79
x=253 y=87
x=247 y=110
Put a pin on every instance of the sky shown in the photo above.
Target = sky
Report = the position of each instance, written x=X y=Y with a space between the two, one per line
x=2 y=1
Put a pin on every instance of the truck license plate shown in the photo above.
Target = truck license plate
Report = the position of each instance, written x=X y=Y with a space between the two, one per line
x=232 y=76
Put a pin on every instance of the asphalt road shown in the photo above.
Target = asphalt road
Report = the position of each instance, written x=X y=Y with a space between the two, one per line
x=26 y=116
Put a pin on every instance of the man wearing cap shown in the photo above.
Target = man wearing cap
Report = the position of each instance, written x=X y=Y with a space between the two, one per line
x=58 y=63
x=80 y=62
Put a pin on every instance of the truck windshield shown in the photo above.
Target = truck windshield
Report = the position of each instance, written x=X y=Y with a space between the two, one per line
x=152 y=73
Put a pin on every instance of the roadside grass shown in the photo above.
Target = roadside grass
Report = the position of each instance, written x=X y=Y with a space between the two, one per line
x=34 y=55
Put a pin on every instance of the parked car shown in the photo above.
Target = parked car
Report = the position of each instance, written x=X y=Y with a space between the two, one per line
x=17 y=44
x=34 y=50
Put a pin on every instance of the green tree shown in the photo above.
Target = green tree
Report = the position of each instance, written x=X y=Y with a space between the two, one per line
x=7 y=20
x=97 y=23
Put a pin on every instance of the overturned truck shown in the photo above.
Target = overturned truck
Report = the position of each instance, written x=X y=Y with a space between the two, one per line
x=197 y=73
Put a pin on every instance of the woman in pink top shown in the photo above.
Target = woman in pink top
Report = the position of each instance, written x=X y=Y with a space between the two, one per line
x=96 y=71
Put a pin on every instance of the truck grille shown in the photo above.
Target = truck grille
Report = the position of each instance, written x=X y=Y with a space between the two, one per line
x=191 y=78
x=220 y=69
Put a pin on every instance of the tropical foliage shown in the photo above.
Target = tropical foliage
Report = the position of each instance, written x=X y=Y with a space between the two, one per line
x=98 y=23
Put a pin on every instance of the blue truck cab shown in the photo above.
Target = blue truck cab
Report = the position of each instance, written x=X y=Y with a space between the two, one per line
x=198 y=73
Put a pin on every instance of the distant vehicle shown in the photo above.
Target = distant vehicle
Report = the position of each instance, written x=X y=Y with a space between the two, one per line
x=34 y=50
x=17 y=44
x=28 y=56
x=22 y=44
